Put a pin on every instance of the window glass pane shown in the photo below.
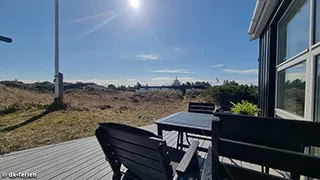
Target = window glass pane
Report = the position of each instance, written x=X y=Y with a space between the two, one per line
x=317 y=21
x=291 y=92
x=294 y=31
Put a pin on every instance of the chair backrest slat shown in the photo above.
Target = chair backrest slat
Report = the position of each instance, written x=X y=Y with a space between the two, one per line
x=138 y=136
x=271 y=157
x=143 y=171
x=134 y=148
x=206 y=108
x=155 y=164
x=140 y=151
x=269 y=130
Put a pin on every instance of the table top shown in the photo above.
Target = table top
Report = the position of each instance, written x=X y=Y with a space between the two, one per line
x=189 y=120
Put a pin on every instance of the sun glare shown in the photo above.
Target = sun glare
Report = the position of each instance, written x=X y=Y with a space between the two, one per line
x=135 y=3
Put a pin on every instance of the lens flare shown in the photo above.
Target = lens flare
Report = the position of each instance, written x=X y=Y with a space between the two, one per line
x=135 y=3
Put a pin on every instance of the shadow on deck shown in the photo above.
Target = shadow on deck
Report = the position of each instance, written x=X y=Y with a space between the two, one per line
x=80 y=159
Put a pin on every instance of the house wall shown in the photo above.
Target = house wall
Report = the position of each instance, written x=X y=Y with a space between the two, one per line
x=143 y=89
x=267 y=62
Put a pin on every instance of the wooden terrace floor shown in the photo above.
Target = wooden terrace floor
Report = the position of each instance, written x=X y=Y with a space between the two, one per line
x=79 y=159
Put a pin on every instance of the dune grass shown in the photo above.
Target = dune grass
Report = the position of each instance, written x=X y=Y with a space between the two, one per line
x=25 y=123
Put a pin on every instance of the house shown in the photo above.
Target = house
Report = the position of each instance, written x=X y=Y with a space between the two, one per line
x=289 y=58
x=176 y=86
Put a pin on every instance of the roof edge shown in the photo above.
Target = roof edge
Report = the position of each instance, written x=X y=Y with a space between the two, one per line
x=260 y=17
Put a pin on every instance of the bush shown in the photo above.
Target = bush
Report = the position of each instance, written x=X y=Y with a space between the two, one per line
x=245 y=108
x=215 y=94
x=193 y=94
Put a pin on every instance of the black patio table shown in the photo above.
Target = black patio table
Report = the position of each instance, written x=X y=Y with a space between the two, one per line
x=195 y=123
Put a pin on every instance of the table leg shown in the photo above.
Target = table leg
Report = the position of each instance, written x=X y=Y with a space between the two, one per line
x=159 y=131
x=180 y=141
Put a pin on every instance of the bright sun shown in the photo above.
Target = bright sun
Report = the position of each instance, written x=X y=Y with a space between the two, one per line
x=135 y=3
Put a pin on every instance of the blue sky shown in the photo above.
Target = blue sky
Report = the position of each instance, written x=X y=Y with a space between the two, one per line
x=109 y=41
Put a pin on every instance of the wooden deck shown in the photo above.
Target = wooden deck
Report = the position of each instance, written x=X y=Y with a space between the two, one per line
x=78 y=159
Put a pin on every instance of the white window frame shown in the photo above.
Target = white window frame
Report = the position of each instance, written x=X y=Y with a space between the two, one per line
x=308 y=55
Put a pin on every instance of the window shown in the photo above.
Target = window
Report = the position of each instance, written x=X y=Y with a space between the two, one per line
x=293 y=50
x=298 y=63
x=294 y=31
x=291 y=96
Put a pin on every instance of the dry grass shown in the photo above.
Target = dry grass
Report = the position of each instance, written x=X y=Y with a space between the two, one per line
x=80 y=119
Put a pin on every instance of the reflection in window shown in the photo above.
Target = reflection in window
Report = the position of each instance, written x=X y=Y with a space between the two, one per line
x=317 y=151
x=294 y=32
x=291 y=94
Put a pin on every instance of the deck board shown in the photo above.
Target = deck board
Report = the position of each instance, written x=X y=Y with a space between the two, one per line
x=77 y=159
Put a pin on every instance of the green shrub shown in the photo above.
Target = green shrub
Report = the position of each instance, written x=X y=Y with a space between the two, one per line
x=216 y=94
x=245 y=108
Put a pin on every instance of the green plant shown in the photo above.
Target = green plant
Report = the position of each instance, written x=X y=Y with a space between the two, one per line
x=216 y=94
x=245 y=108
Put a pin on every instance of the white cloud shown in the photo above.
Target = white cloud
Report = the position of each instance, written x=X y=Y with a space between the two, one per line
x=247 y=71
x=247 y=81
x=147 y=57
x=296 y=75
x=32 y=81
x=178 y=71
x=217 y=65
x=106 y=82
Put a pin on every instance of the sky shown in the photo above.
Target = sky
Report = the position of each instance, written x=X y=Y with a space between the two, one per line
x=111 y=42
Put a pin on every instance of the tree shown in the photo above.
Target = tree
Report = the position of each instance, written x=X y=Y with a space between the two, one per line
x=138 y=85
x=227 y=82
x=122 y=88
x=111 y=86
x=188 y=83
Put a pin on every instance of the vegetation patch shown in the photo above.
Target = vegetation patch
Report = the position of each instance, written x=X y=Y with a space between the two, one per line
x=36 y=122
x=245 y=108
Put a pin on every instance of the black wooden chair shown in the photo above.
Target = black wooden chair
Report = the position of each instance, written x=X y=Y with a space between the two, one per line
x=144 y=154
x=205 y=108
x=256 y=140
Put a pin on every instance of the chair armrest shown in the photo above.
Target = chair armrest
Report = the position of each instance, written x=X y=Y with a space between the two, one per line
x=190 y=154
x=207 y=168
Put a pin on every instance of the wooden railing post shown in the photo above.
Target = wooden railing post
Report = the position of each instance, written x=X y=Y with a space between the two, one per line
x=215 y=147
